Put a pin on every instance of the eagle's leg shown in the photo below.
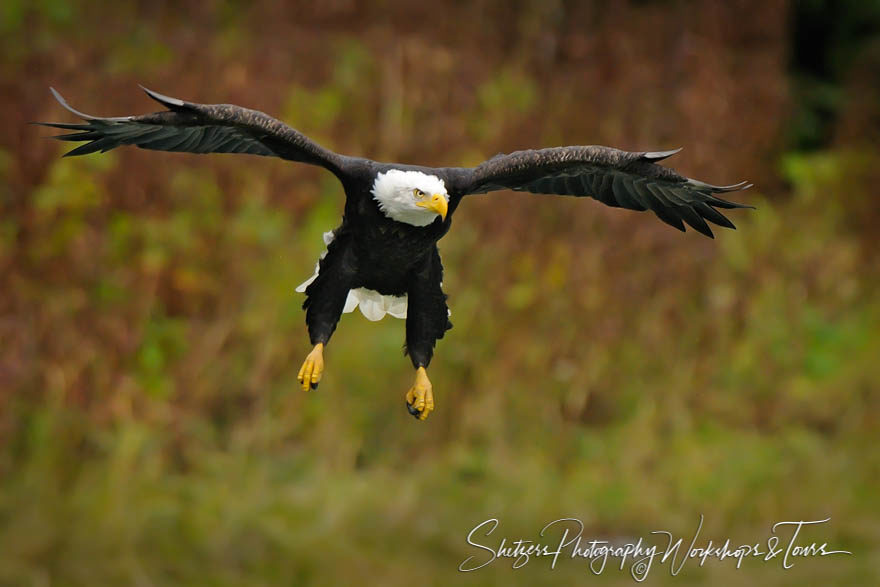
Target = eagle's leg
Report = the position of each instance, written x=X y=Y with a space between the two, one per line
x=427 y=319
x=324 y=303
x=420 y=397
x=312 y=368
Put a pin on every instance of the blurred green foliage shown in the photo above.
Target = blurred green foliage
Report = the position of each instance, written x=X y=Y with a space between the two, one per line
x=601 y=365
x=828 y=38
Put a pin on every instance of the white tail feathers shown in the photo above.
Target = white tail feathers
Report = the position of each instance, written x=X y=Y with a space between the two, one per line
x=374 y=305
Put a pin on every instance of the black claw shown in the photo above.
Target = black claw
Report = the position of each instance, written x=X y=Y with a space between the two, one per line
x=313 y=385
x=413 y=410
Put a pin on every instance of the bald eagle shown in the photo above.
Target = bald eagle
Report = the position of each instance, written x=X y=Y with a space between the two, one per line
x=383 y=256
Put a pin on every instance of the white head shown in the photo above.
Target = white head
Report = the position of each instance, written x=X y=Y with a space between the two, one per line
x=412 y=197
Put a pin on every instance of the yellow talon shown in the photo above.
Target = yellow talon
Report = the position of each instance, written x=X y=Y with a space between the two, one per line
x=312 y=368
x=420 y=397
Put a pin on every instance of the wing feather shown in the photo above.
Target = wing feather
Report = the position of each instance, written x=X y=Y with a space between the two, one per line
x=624 y=193
x=624 y=179
x=194 y=128
x=665 y=214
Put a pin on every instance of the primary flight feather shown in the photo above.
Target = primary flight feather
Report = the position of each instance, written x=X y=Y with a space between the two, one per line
x=383 y=258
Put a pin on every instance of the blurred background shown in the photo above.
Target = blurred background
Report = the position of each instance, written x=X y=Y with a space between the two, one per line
x=602 y=366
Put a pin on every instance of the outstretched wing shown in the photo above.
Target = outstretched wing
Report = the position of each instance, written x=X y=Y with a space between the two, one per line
x=195 y=128
x=617 y=178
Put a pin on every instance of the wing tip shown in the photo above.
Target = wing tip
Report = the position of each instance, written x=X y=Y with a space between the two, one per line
x=727 y=204
x=655 y=156
x=704 y=230
x=163 y=99
x=83 y=115
x=722 y=189
x=734 y=187
x=60 y=99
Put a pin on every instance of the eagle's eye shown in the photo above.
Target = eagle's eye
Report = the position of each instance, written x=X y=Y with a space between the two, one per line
x=418 y=193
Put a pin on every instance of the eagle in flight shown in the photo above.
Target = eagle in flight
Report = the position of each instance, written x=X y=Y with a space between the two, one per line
x=383 y=256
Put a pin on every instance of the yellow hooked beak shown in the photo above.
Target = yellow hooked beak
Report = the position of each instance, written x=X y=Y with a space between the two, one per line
x=437 y=204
